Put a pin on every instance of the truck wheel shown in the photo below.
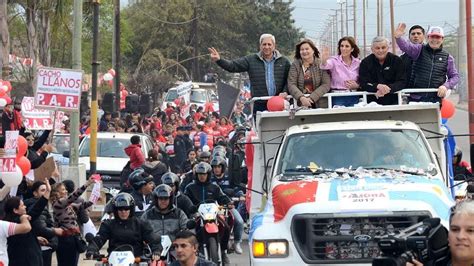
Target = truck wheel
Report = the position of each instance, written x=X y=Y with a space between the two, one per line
x=213 y=250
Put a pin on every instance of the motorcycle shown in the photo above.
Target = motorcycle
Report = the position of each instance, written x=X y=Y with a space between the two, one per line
x=122 y=258
x=165 y=256
x=211 y=225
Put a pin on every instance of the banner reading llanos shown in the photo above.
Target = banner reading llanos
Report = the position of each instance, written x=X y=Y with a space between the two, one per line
x=58 y=88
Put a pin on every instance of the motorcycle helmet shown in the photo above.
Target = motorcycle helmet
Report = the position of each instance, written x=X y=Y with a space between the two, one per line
x=163 y=191
x=203 y=168
x=138 y=178
x=170 y=178
x=123 y=200
x=217 y=160
x=205 y=155
x=217 y=149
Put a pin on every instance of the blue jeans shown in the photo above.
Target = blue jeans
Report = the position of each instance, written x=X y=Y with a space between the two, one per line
x=345 y=100
x=238 y=225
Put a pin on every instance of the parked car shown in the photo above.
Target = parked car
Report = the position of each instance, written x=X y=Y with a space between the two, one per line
x=111 y=157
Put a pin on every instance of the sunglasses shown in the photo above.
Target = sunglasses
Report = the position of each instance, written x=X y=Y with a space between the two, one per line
x=29 y=139
x=163 y=199
x=123 y=208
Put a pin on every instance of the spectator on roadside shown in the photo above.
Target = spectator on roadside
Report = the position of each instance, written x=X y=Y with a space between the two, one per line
x=43 y=227
x=416 y=35
x=433 y=67
x=179 y=147
x=37 y=151
x=344 y=70
x=104 y=122
x=187 y=165
x=10 y=119
x=267 y=69
x=154 y=166
x=382 y=72
x=306 y=76
x=134 y=151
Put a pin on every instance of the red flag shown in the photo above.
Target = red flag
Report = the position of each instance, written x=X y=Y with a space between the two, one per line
x=287 y=195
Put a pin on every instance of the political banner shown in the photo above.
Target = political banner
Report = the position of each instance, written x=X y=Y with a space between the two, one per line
x=58 y=88
x=35 y=119
x=227 y=97
x=8 y=156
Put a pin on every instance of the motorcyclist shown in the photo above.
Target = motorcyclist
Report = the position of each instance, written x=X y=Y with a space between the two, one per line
x=180 y=200
x=124 y=229
x=461 y=168
x=202 y=189
x=165 y=218
x=220 y=177
x=142 y=184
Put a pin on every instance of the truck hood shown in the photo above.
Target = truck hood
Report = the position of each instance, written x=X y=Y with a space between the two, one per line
x=359 y=195
x=106 y=164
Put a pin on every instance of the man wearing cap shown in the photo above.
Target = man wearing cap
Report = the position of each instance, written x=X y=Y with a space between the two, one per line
x=432 y=66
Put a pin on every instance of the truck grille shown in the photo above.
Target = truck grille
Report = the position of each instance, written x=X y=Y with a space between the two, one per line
x=323 y=238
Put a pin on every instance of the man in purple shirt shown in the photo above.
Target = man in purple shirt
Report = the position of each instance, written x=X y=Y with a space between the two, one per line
x=433 y=67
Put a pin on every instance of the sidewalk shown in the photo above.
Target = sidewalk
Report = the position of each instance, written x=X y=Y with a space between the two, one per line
x=454 y=97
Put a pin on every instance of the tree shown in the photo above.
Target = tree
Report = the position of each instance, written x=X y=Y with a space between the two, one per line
x=4 y=38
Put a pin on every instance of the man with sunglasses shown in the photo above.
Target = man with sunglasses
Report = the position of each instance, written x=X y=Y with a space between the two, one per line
x=124 y=229
x=433 y=67
x=186 y=246
x=416 y=34
x=165 y=218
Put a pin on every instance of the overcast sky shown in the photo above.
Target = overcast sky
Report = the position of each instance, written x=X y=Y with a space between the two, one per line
x=311 y=15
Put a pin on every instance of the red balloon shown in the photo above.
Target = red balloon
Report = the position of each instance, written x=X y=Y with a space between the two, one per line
x=7 y=98
x=276 y=103
x=447 y=109
x=24 y=164
x=22 y=146
x=8 y=84
x=2 y=92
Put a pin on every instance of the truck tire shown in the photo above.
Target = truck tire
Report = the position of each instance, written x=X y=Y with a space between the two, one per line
x=213 y=250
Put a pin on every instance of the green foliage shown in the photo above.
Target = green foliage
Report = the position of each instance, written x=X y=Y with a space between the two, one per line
x=233 y=27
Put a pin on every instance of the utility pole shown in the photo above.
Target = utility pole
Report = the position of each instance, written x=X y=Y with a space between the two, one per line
x=342 y=20
x=363 y=27
x=381 y=17
x=117 y=55
x=392 y=27
x=76 y=64
x=470 y=77
x=378 y=17
x=347 y=18
x=462 y=53
x=355 y=19
x=95 y=66
x=194 y=26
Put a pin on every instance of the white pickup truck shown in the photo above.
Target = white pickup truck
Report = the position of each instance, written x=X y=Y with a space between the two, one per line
x=334 y=179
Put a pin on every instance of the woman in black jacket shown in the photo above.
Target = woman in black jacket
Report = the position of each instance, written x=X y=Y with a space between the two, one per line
x=33 y=147
x=43 y=226
x=25 y=250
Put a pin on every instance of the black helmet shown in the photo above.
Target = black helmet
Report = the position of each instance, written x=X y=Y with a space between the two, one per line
x=139 y=178
x=204 y=155
x=123 y=200
x=203 y=168
x=170 y=178
x=457 y=157
x=218 y=160
x=163 y=191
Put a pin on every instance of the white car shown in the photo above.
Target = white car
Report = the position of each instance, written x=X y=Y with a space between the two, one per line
x=198 y=97
x=111 y=157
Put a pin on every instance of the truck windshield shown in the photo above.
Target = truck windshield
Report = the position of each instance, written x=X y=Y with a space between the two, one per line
x=385 y=148
x=171 y=95
x=198 y=96
x=112 y=147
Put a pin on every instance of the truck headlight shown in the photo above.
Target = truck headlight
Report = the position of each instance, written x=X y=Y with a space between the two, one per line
x=270 y=248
